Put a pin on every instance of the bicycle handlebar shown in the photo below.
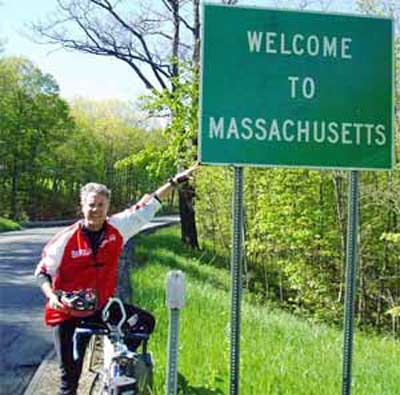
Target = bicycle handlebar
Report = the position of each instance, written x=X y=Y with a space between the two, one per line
x=106 y=315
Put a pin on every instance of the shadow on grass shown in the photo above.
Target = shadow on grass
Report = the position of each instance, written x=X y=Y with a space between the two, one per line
x=170 y=240
x=166 y=241
x=184 y=388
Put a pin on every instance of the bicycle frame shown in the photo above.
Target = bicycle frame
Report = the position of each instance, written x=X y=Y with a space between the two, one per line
x=119 y=363
x=116 y=354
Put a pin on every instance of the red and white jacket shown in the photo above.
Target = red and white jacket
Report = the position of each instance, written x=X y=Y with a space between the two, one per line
x=68 y=258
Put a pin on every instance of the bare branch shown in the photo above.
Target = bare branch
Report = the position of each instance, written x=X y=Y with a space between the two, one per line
x=80 y=26
x=148 y=58
x=168 y=5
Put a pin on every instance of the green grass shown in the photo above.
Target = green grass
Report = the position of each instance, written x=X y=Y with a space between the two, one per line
x=280 y=354
x=7 y=225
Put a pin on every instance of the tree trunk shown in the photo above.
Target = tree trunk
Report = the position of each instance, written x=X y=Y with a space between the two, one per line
x=32 y=188
x=196 y=33
x=188 y=222
x=14 y=189
x=176 y=39
x=362 y=294
x=389 y=227
x=186 y=194
x=338 y=181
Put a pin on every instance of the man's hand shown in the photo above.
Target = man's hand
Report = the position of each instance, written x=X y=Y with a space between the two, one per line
x=54 y=302
x=178 y=179
x=185 y=175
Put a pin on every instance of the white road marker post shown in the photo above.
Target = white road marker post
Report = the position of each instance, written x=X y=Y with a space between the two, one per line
x=175 y=301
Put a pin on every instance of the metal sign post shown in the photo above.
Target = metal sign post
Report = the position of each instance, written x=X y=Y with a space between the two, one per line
x=351 y=270
x=236 y=280
x=175 y=302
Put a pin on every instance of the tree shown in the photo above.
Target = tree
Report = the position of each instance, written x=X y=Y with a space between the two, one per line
x=111 y=131
x=32 y=116
x=149 y=41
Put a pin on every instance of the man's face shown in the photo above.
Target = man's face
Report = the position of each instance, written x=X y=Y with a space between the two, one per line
x=94 y=210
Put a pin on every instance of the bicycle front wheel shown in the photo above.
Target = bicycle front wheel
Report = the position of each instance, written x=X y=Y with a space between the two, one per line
x=98 y=385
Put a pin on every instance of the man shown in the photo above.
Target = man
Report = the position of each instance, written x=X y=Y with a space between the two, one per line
x=83 y=260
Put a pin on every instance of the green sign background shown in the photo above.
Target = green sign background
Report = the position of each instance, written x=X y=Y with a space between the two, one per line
x=237 y=83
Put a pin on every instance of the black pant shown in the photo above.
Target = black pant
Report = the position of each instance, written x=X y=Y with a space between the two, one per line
x=64 y=342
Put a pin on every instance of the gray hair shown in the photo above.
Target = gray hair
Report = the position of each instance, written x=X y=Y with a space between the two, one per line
x=94 y=187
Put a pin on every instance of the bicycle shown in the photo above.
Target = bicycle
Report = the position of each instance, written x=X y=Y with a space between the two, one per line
x=122 y=372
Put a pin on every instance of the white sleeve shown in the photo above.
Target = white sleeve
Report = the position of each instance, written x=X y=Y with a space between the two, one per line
x=130 y=221
x=53 y=252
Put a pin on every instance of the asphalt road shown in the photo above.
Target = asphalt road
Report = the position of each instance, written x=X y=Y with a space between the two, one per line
x=24 y=339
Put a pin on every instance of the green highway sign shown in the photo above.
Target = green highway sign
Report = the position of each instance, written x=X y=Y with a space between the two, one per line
x=296 y=89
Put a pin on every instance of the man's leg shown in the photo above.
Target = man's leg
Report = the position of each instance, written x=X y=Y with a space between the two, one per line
x=63 y=342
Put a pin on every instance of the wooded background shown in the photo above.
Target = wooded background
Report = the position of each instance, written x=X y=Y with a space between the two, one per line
x=295 y=220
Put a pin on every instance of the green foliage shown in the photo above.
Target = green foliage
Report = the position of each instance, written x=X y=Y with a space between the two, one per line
x=146 y=169
x=49 y=150
x=394 y=312
x=181 y=107
x=391 y=237
x=106 y=134
x=280 y=354
x=295 y=230
x=171 y=149
x=8 y=225
x=32 y=117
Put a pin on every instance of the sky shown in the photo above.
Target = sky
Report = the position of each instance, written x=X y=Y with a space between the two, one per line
x=77 y=74
x=84 y=75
